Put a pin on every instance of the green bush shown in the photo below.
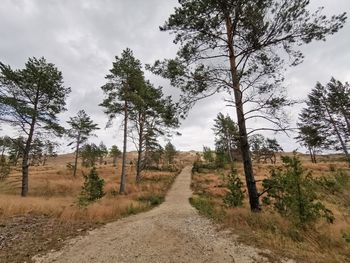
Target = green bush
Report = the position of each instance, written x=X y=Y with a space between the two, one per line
x=92 y=188
x=291 y=191
x=235 y=195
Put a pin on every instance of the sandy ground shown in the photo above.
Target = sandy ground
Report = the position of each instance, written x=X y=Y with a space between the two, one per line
x=172 y=232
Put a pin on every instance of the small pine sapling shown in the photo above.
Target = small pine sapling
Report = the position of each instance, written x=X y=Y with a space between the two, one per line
x=292 y=193
x=92 y=188
x=235 y=195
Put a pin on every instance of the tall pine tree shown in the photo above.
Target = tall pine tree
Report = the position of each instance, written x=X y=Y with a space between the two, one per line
x=81 y=128
x=237 y=46
x=124 y=80
x=30 y=100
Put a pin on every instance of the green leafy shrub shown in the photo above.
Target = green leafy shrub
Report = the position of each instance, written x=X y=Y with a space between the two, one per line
x=92 y=188
x=235 y=195
x=291 y=191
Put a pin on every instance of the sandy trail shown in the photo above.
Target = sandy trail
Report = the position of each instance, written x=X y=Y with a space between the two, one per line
x=172 y=232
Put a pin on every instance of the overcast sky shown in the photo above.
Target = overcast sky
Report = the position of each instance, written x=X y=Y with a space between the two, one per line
x=82 y=37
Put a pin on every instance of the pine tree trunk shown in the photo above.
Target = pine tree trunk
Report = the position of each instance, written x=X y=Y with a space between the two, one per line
x=25 y=161
x=114 y=161
x=138 y=168
x=342 y=143
x=123 y=175
x=247 y=161
x=76 y=156
x=312 y=155
x=139 y=152
x=25 y=172
x=346 y=117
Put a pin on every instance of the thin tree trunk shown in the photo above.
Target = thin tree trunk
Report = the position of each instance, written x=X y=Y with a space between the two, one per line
x=346 y=117
x=44 y=160
x=138 y=168
x=247 y=161
x=123 y=175
x=229 y=148
x=312 y=155
x=25 y=161
x=114 y=161
x=76 y=156
x=342 y=143
x=139 y=151
x=300 y=203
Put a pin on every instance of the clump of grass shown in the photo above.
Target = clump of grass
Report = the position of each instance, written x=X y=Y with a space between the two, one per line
x=346 y=237
x=134 y=209
x=152 y=200
x=206 y=206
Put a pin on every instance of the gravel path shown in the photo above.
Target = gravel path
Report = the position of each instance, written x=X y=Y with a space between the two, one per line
x=172 y=232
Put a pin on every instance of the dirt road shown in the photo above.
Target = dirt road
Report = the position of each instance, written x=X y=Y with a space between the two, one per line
x=172 y=232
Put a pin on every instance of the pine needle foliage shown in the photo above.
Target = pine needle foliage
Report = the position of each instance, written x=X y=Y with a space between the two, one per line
x=92 y=189
x=291 y=191
x=235 y=196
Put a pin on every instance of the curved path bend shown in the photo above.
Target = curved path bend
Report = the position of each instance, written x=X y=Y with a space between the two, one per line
x=172 y=232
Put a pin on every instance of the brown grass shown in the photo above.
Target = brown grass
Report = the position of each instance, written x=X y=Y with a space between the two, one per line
x=54 y=192
x=320 y=243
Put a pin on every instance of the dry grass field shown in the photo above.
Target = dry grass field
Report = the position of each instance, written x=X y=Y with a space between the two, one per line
x=322 y=242
x=51 y=213
x=53 y=191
